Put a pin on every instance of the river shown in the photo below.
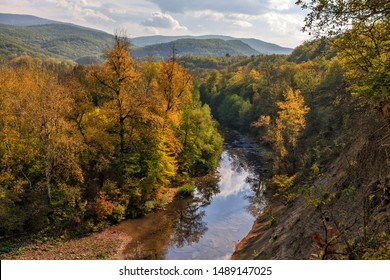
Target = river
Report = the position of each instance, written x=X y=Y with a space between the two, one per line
x=209 y=225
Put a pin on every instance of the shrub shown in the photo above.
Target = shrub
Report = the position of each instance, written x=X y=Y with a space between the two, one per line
x=186 y=190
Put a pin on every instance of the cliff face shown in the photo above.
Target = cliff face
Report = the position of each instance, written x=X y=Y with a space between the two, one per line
x=344 y=214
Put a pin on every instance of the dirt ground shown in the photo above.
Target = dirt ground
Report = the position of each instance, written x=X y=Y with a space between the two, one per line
x=107 y=244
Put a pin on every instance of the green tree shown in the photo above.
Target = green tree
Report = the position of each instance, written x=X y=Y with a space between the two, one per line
x=201 y=141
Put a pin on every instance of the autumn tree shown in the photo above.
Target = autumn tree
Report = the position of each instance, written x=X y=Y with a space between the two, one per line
x=40 y=151
x=175 y=85
x=360 y=30
x=283 y=132
x=117 y=78
x=307 y=77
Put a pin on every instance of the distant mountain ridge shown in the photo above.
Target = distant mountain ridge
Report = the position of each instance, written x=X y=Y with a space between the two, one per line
x=198 y=47
x=260 y=46
x=42 y=38
x=25 y=20
x=57 y=40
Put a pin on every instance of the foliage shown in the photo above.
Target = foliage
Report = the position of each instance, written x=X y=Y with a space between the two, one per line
x=365 y=58
x=82 y=147
x=333 y=17
x=186 y=190
x=284 y=131
x=201 y=141
x=362 y=29
x=284 y=186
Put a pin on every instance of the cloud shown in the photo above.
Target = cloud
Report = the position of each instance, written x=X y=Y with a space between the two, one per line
x=90 y=3
x=242 y=23
x=280 y=4
x=243 y=6
x=283 y=24
x=163 y=20
x=209 y=14
x=231 y=19
x=81 y=10
x=117 y=11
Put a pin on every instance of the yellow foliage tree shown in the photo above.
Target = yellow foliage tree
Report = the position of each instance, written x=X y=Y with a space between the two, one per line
x=284 y=131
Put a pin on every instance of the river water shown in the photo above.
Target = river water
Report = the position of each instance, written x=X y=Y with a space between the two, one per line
x=209 y=225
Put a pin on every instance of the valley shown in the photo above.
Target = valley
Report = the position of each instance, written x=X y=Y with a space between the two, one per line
x=195 y=147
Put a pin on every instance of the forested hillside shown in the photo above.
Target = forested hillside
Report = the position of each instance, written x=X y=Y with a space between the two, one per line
x=206 y=47
x=329 y=132
x=53 y=40
x=258 y=45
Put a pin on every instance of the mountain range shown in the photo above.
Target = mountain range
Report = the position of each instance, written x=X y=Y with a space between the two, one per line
x=42 y=37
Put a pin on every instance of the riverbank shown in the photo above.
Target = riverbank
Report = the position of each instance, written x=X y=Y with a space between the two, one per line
x=108 y=244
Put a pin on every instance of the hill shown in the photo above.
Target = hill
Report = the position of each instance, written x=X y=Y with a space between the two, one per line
x=198 y=47
x=58 y=40
x=24 y=20
x=258 y=45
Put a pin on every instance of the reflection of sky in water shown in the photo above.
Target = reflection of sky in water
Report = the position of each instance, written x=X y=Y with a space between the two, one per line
x=232 y=180
x=227 y=216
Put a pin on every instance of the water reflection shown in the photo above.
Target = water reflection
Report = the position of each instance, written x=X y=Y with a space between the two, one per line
x=206 y=189
x=209 y=225
x=189 y=226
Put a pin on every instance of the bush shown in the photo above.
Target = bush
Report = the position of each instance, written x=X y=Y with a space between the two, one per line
x=186 y=190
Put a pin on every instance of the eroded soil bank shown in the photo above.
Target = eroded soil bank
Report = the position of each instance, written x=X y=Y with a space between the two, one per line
x=345 y=216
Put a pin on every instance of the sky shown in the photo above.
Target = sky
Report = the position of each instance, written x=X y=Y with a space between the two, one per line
x=275 y=21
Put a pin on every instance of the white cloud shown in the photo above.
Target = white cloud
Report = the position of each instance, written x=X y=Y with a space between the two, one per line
x=151 y=31
x=81 y=10
x=90 y=3
x=280 y=4
x=283 y=24
x=163 y=20
x=242 y=23
x=181 y=6
x=117 y=11
x=233 y=19
x=209 y=14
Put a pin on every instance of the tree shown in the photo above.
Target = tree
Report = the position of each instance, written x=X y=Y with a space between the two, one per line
x=360 y=30
x=332 y=17
x=40 y=148
x=201 y=140
x=175 y=85
x=284 y=131
x=307 y=77
x=117 y=77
